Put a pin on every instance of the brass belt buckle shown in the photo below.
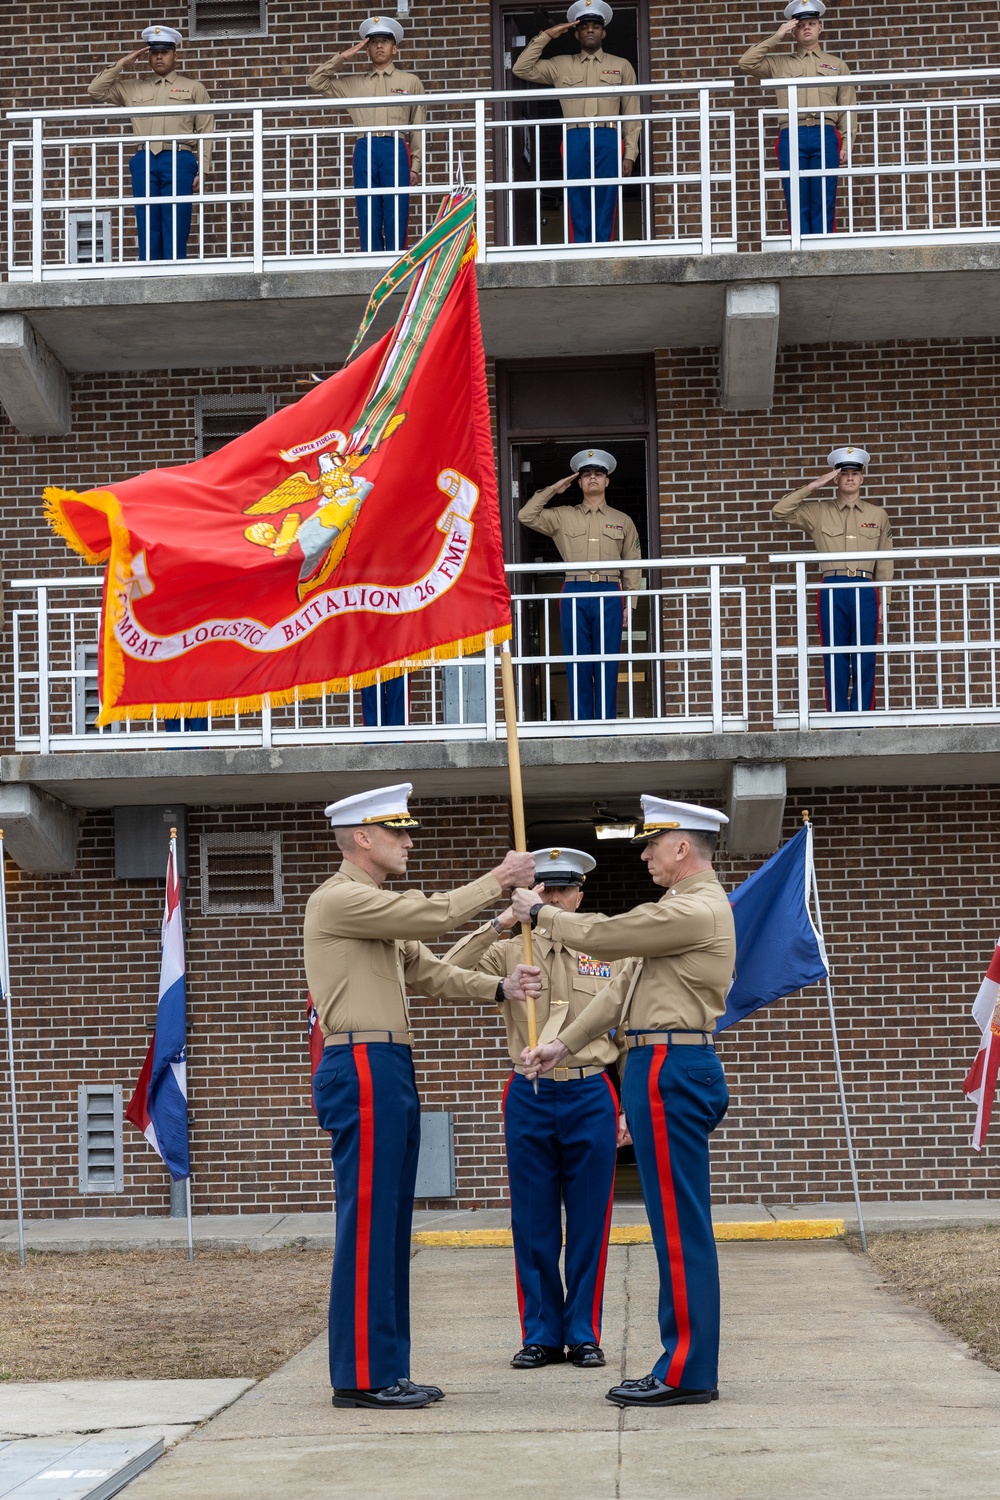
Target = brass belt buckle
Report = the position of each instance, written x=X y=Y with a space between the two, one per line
x=562 y=1074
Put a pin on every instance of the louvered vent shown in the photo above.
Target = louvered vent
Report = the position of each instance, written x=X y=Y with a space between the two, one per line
x=228 y=17
x=240 y=872
x=100 y=1138
x=219 y=419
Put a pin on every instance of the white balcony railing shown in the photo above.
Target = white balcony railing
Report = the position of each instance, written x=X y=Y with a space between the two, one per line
x=681 y=668
x=937 y=660
x=280 y=191
x=922 y=167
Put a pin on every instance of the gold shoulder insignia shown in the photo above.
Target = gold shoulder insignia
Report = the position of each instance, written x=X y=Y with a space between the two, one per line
x=297 y=489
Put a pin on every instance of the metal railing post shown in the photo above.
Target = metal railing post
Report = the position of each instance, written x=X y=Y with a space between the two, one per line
x=794 y=187
x=491 y=692
x=715 y=607
x=705 y=165
x=802 y=642
x=265 y=724
x=480 y=170
x=44 y=727
x=37 y=189
x=257 y=125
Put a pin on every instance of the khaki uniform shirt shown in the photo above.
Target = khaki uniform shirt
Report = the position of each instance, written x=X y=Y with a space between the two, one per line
x=762 y=62
x=570 y=980
x=835 y=527
x=595 y=537
x=588 y=70
x=362 y=949
x=687 y=941
x=173 y=88
x=374 y=82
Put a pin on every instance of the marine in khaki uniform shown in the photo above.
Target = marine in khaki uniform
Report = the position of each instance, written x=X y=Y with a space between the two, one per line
x=849 y=611
x=824 y=127
x=595 y=534
x=159 y=169
x=666 y=1000
x=600 y=148
x=562 y=1144
x=363 y=950
x=387 y=155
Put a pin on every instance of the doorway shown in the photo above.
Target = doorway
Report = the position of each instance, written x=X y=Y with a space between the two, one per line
x=533 y=152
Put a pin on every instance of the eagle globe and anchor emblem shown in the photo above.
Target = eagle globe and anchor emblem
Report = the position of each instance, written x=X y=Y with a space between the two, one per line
x=324 y=536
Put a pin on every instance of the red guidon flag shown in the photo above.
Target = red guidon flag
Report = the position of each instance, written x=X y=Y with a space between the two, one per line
x=981 y=1083
x=352 y=534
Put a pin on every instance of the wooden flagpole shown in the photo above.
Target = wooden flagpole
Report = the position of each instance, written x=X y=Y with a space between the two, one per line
x=5 y=981
x=517 y=811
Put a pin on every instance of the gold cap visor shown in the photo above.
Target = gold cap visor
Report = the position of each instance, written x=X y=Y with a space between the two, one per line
x=652 y=831
x=404 y=821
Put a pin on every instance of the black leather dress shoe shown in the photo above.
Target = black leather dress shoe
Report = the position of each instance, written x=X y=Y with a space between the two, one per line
x=434 y=1391
x=533 y=1356
x=390 y=1398
x=651 y=1391
x=586 y=1356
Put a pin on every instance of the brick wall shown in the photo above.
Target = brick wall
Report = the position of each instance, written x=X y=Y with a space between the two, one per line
x=907 y=880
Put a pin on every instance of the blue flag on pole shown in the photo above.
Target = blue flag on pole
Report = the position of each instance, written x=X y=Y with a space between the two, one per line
x=778 y=948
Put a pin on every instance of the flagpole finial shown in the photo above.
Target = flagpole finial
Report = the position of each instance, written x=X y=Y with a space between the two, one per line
x=173 y=833
x=805 y=816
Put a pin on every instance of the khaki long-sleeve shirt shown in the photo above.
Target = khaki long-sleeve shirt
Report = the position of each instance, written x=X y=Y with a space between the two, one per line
x=363 y=948
x=837 y=527
x=570 y=980
x=597 y=537
x=587 y=70
x=815 y=104
x=173 y=88
x=392 y=82
x=687 y=942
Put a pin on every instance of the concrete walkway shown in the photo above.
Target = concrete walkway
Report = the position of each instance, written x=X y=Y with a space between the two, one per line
x=274 y=1231
x=830 y=1388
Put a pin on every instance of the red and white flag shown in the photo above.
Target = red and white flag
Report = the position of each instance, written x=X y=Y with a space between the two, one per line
x=981 y=1083
x=314 y=1033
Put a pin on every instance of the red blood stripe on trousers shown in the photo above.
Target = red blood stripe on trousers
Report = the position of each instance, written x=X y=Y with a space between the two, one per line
x=362 y=1248
x=675 y=1250
x=517 y=1279
x=602 y=1263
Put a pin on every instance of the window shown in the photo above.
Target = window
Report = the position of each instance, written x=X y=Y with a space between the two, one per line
x=228 y=18
x=219 y=419
x=240 y=872
x=102 y=1167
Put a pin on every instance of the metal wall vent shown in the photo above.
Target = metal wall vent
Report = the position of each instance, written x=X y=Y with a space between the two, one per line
x=99 y=1130
x=240 y=872
x=228 y=17
x=88 y=237
x=219 y=419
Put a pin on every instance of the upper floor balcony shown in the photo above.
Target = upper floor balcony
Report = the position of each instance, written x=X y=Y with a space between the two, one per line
x=700 y=250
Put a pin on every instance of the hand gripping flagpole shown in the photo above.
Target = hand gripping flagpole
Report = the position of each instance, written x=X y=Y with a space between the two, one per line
x=517 y=810
x=5 y=981
x=833 y=1028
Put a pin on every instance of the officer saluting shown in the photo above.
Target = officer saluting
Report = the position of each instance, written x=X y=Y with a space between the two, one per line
x=600 y=149
x=161 y=168
x=848 y=615
x=561 y=1146
x=386 y=155
x=362 y=950
x=674 y=1093
x=824 y=126
x=591 y=533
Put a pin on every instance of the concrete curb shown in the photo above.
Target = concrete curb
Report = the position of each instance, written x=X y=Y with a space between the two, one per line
x=640 y=1234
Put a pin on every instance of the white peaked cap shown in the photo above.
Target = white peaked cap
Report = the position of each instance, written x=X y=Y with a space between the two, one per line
x=381 y=26
x=386 y=805
x=798 y=10
x=581 y=9
x=593 y=458
x=163 y=36
x=660 y=816
x=841 y=456
x=562 y=866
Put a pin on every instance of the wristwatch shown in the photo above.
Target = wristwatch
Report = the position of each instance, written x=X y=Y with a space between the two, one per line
x=500 y=994
x=533 y=913
x=498 y=927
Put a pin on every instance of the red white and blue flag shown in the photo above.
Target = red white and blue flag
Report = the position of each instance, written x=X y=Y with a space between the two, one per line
x=314 y=1033
x=159 y=1105
x=981 y=1083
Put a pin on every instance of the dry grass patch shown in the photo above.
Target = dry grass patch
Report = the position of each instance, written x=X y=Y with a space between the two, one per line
x=954 y=1274
x=151 y=1315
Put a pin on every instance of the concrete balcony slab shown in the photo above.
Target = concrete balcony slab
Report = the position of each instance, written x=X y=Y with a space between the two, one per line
x=567 y=772
x=529 y=308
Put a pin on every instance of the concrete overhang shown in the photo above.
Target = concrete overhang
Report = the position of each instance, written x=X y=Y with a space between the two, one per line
x=559 y=772
x=529 y=308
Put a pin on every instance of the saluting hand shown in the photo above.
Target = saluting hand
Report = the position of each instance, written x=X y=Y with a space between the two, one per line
x=562 y=485
x=818 y=484
x=787 y=28
x=544 y=1058
x=515 y=869
x=131 y=57
x=554 y=31
x=526 y=980
x=353 y=51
